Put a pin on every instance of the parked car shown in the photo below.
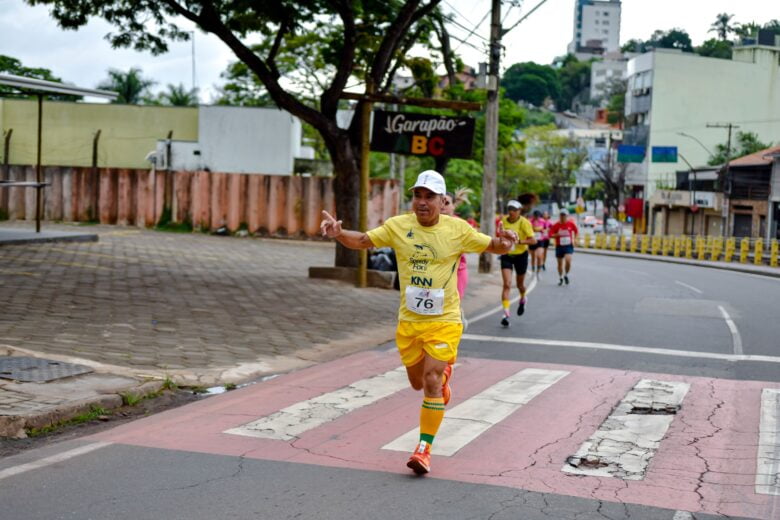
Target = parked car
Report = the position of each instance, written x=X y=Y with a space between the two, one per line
x=613 y=226
x=589 y=221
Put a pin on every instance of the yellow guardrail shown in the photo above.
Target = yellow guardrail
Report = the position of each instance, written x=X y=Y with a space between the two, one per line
x=703 y=248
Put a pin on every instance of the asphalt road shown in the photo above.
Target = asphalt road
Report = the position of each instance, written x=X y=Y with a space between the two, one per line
x=700 y=323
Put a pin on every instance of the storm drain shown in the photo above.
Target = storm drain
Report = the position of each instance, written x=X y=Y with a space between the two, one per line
x=35 y=370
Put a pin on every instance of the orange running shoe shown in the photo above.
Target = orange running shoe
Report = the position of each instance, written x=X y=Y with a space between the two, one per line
x=420 y=461
x=446 y=391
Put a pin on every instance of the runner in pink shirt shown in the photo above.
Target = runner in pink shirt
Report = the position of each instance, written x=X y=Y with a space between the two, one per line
x=451 y=201
x=541 y=234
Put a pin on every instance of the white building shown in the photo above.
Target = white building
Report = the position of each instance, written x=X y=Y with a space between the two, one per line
x=605 y=73
x=596 y=28
x=673 y=96
x=237 y=140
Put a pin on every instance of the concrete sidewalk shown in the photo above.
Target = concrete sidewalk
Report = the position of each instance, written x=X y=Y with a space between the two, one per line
x=763 y=270
x=139 y=307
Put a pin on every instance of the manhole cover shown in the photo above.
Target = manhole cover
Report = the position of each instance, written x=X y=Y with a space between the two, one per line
x=34 y=370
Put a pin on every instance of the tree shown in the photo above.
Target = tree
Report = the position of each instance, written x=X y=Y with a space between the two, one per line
x=746 y=30
x=612 y=179
x=354 y=40
x=176 y=95
x=772 y=25
x=714 y=48
x=671 y=39
x=634 y=45
x=131 y=86
x=722 y=26
x=616 y=106
x=575 y=82
x=242 y=87
x=531 y=82
x=14 y=66
x=558 y=156
x=746 y=143
x=516 y=176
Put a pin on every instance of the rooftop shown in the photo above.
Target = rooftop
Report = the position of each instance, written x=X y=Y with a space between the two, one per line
x=759 y=158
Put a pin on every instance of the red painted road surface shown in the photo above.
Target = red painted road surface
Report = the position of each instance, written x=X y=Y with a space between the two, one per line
x=706 y=462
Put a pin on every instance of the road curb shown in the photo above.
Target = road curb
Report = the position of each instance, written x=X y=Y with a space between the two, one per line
x=740 y=268
x=16 y=426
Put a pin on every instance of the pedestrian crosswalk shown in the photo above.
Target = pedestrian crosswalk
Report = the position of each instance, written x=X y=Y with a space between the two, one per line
x=681 y=442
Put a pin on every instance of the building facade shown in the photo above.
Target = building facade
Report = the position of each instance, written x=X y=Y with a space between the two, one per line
x=596 y=28
x=674 y=99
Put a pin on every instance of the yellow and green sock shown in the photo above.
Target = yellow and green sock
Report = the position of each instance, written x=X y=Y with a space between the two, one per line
x=431 y=416
x=505 y=305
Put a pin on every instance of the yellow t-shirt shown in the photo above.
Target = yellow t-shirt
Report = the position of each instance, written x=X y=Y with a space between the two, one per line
x=522 y=226
x=428 y=258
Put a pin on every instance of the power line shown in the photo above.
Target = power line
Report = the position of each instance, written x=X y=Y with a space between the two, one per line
x=472 y=30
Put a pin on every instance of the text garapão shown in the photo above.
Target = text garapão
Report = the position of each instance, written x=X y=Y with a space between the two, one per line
x=398 y=124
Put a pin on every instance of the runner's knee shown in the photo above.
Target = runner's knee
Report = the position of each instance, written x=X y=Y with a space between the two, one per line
x=432 y=382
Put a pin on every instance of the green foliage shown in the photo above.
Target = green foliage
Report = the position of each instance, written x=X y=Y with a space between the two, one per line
x=131 y=86
x=557 y=156
x=131 y=399
x=722 y=26
x=745 y=30
x=616 y=106
x=671 y=39
x=596 y=191
x=714 y=48
x=169 y=384
x=9 y=65
x=575 y=81
x=175 y=95
x=94 y=413
x=745 y=144
x=531 y=82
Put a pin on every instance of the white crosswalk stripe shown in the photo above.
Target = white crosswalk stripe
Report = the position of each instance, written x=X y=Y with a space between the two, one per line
x=287 y=424
x=470 y=419
x=768 y=457
x=626 y=441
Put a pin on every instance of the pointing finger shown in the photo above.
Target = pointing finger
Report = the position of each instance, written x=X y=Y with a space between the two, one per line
x=327 y=216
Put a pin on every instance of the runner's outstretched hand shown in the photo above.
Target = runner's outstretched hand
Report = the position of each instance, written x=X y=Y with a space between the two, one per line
x=507 y=234
x=329 y=226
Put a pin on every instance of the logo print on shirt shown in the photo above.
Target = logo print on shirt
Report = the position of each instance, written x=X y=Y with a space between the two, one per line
x=410 y=234
x=423 y=255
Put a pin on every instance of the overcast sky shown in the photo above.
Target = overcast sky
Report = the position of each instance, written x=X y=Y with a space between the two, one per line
x=83 y=57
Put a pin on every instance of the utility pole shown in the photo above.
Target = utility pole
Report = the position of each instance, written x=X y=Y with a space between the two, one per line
x=487 y=224
x=726 y=176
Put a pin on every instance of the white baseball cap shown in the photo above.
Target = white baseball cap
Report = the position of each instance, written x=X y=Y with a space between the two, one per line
x=564 y=211
x=432 y=180
x=513 y=204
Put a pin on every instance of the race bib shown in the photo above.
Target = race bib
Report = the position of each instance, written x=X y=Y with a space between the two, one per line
x=429 y=302
x=538 y=235
x=564 y=241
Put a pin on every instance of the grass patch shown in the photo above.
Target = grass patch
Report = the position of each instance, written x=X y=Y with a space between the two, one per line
x=175 y=227
x=230 y=386
x=199 y=389
x=169 y=384
x=93 y=413
x=131 y=399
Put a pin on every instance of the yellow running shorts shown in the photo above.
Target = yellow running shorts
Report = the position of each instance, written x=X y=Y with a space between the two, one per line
x=439 y=339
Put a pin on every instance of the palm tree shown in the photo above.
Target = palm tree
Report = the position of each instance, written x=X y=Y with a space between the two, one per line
x=179 y=96
x=746 y=30
x=131 y=85
x=722 y=25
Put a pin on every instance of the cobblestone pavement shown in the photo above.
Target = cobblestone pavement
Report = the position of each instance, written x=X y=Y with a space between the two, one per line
x=186 y=303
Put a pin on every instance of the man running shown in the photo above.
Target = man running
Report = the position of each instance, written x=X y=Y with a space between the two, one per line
x=516 y=259
x=564 y=232
x=537 y=249
x=428 y=247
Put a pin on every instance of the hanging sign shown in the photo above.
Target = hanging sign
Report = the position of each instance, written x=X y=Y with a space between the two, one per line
x=421 y=134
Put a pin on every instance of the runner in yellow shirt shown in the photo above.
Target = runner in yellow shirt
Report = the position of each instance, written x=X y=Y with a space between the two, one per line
x=428 y=247
x=516 y=259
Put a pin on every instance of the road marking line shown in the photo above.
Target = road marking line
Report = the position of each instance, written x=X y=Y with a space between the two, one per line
x=627 y=440
x=768 y=457
x=473 y=417
x=54 y=459
x=735 y=337
x=528 y=290
x=623 y=348
x=682 y=515
x=691 y=287
x=288 y=423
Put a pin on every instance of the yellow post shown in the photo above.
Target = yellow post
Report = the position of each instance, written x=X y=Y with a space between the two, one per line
x=773 y=251
x=744 y=248
x=688 y=248
x=613 y=242
x=731 y=245
x=643 y=246
x=634 y=243
x=654 y=245
x=758 y=252
x=623 y=243
x=717 y=247
x=701 y=247
x=677 y=244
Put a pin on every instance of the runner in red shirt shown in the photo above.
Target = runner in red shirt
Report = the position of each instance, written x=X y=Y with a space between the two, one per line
x=564 y=232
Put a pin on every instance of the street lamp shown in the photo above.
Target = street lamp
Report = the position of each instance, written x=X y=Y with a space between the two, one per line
x=700 y=143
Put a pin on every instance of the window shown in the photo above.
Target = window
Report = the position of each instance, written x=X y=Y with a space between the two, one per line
x=606 y=13
x=605 y=22
x=605 y=31
x=597 y=22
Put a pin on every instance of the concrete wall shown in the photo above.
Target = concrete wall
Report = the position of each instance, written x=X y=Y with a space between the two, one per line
x=128 y=132
x=265 y=204
x=248 y=140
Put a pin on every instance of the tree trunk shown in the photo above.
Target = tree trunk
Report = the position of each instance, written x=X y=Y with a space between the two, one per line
x=346 y=190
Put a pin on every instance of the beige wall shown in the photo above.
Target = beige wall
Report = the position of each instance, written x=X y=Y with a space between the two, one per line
x=128 y=132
